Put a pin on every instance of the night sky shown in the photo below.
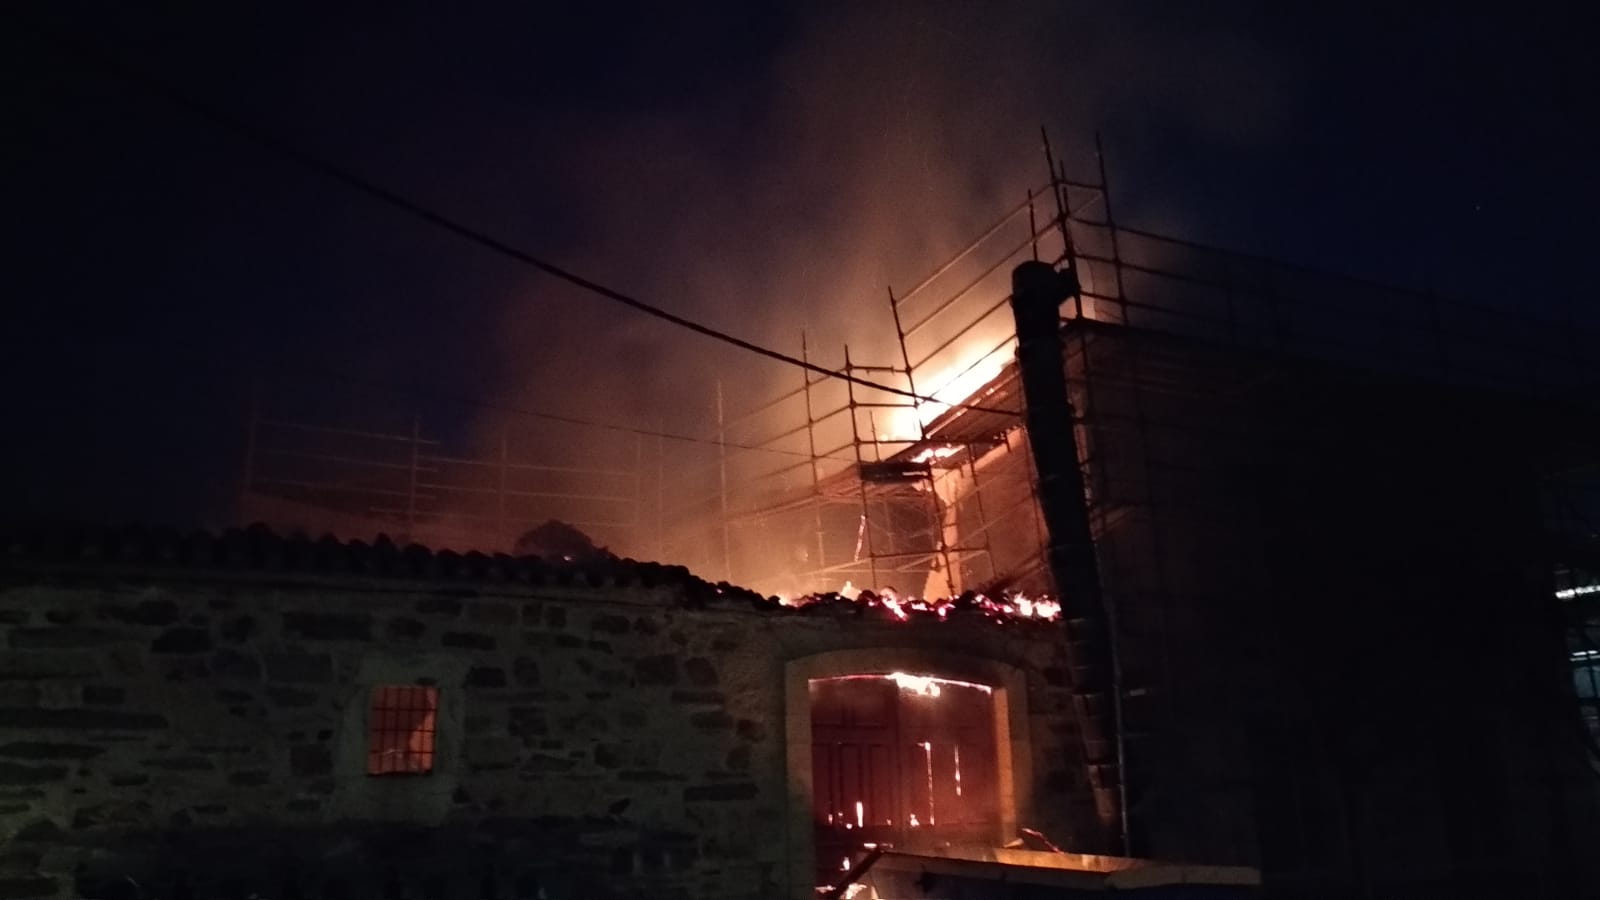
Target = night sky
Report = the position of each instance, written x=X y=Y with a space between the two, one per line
x=763 y=168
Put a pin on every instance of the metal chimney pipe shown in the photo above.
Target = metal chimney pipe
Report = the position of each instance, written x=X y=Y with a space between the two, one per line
x=1037 y=292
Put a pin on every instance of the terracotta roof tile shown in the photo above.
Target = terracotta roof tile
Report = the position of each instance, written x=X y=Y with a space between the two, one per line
x=259 y=550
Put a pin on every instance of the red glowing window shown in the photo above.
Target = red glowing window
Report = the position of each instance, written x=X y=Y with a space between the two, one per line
x=401 y=730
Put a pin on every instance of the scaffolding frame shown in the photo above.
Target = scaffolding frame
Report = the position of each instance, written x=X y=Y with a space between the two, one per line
x=953 y=341
x=829 y=483
x=361 y=482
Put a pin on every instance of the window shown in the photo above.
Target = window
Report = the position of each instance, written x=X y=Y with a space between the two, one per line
x=401 y=730
x=1585 y=657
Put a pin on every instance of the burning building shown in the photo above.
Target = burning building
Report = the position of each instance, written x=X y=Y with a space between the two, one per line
x=188 y=715
x=1322 y=545
x=1303 y=533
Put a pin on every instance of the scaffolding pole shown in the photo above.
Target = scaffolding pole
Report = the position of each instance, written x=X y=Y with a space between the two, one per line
x=941 y=543
x=722 y=485
x=816 y=474
x=864 y=539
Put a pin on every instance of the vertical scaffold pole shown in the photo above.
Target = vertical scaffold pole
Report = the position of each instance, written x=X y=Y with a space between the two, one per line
x=1057 y=188
x=411 y=482
x=861 y=482
x=941 y=544
x=816 y=474
x=661 y=488
x=1111 y=228
x=502 y=523
x=722 y=484
x=251 y=433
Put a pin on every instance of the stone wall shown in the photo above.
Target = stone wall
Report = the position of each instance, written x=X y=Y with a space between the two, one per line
x=606 y=739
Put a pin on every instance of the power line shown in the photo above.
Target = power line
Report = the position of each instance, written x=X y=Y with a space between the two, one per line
x=555 y=417
x=350 y=179
x=313 y=373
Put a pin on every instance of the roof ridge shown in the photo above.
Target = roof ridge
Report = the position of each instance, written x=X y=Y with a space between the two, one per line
x=258 y=548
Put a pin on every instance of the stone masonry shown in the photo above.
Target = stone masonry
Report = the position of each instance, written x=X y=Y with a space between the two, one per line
x=184 y=716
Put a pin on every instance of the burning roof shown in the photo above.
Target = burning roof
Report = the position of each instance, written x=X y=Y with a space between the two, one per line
x=888 y=603
x=260 y=551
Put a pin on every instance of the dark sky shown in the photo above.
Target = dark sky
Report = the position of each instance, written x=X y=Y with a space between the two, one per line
x=763 y=167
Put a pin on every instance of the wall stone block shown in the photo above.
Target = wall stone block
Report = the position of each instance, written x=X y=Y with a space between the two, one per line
x=44 y=664
x=47 y=638
x=528 y=721
x=492 y=614
x=701 y=672
x=104 y=695
x=182 y=640
x=657 y=670
x=468 y=640
x=322 y=626
x=12 y=774
x=233 y=665
x=611 y=624
x=439 y=605
x=299 y=668
x=77 y=719
x=148 y=612
x=402 y=628
x=181 y=764
x=47 y=750
x=238 y=629
x=720 y=793
x=292 y=697
x=525 y=670
x=486 y=677
x=310 y=759
x=25 y=888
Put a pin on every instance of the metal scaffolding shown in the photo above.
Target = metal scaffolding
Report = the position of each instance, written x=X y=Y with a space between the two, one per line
x=1188 y=368
x=357 y=483
x=933 y=496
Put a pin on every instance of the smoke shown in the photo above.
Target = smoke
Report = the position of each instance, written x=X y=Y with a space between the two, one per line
x=870 y=144
x=766 y=169
x=768 y=172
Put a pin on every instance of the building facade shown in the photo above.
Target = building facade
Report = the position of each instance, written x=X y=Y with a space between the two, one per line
x=188 y=716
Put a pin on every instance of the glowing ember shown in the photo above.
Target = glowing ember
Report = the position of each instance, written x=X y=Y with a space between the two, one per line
x=925 y=685
x=927 y=752
x=1006 y=607
x=934 y=454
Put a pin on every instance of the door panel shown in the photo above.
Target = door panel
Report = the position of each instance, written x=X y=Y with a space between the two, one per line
x=898 y=766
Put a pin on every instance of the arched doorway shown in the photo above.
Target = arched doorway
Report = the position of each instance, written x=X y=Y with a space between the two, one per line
x=918 y=749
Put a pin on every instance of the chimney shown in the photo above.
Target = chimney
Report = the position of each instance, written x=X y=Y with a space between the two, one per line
x=1037 y=292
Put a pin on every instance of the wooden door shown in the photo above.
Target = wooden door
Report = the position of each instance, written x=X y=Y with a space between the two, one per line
x=892 y=765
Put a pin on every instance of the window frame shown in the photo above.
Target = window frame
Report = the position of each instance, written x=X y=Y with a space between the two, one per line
x=390 y=709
